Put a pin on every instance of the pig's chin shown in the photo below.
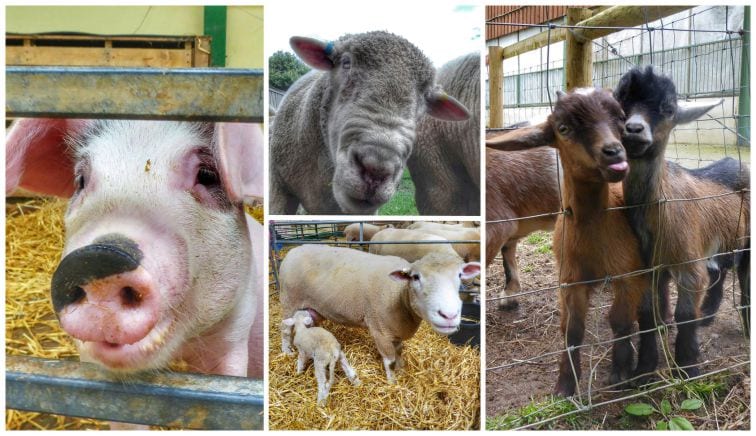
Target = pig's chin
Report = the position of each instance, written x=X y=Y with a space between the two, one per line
x=151 y=352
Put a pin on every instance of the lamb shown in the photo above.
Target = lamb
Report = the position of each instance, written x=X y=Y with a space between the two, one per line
x=352 y=231
x=409 y=252
x=445 y=163
x=470 y=252
x=322 y=347
x=519 y=184
x=385 y=294
x=678 y=232
x=342 y=135
x=593 y=243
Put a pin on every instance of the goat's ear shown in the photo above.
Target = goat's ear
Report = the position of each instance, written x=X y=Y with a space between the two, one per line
x=524 y=138
x=313 y=52
x=687 y=113
x=288 y=322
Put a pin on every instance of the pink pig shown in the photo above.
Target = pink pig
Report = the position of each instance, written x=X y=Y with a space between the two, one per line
x=160 y=260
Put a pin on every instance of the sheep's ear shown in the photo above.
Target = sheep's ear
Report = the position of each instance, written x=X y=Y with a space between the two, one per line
x=690 y=112
x=445 y=107
x=470 y=270
x=401 y=275
x=313 y=52
x=288 y=322
x=524 y=138
x=308 y=321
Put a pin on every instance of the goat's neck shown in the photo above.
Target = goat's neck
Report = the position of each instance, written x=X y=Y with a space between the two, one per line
x=584 y=201
x=644 y=182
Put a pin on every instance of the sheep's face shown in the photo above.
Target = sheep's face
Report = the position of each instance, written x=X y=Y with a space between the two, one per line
x=378 y=87
x=650 y=102
x=587 y=126
x=434 y=284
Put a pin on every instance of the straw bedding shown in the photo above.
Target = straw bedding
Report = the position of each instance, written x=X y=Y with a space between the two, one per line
x=34 y=241
x=437 y=389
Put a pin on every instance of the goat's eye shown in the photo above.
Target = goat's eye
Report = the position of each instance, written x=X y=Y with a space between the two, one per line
x=667 y=109
x=207 y=176
x=79 y=182
x=346 y=62
x=563 y=129
x=415 y=277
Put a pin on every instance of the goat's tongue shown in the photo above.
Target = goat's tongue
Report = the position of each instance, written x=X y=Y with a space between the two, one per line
x=619 y=166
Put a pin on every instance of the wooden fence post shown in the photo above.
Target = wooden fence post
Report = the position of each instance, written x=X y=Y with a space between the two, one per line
x=495 y=87
x=579 y=53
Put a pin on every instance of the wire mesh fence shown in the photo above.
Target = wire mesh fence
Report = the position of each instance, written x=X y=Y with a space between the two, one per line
x=705 y=50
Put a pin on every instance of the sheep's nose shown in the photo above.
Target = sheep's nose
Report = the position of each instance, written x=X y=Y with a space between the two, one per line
x=447 y=315
x=634 y=128
x=612 y=149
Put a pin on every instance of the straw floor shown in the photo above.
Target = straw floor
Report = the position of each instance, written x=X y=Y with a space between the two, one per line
x=34 y=241
x=437 y=389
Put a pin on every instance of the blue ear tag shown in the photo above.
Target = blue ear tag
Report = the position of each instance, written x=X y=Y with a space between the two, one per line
x=329 y=48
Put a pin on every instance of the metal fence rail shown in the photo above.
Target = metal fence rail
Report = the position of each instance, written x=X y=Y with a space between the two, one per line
x=188 y=94
x=168 y=399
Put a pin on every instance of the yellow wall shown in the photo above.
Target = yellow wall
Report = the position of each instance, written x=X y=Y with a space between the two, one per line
x=244 y=34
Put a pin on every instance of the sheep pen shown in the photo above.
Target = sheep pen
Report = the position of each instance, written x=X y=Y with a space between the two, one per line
x=430 y=393
x=34 y=242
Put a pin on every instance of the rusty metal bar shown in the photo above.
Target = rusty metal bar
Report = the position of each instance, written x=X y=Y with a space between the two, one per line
x=169 y=399
x=197 y=94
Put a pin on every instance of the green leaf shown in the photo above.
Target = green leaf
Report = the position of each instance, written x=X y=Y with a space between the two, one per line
x=680 y=423
x=666 y=407
x=691 y=404
x=662 y=425
x=639 y=409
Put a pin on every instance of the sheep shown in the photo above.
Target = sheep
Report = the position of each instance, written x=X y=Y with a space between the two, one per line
x=445 y=163
x=468 y=252
x=352 y=231
x=519 y=184
x=322 y=347
x=590 y=242
x=385 y=294
x=679 y=232
x=409 y=252
x=343 y=133
x=419 y=225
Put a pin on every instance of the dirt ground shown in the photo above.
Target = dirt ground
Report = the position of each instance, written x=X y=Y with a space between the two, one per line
x=532 y=330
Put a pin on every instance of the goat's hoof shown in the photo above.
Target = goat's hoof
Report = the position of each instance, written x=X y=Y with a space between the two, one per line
x=564 y=389
x=509 y=305
x=618 y=380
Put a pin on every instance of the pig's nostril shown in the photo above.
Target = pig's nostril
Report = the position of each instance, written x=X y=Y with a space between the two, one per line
x=76 y=294
x=130 y=296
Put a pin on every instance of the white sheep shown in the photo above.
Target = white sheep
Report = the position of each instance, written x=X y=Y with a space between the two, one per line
x=468 y=252
x=386 y=294
x=322 y=347
x=409 y=252
x=352 y=231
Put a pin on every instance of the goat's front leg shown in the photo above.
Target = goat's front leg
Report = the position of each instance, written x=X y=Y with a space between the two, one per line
x=573 y=302
x=691 y=287
x=628 y=295
x=511 y=273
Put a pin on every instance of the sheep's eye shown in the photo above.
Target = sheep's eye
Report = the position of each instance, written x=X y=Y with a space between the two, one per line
x=346 y=62
x=207 y=177
x=415 y=277
x=563 y=129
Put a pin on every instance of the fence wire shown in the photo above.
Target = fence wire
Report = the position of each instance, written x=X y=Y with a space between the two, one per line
x=688 y=54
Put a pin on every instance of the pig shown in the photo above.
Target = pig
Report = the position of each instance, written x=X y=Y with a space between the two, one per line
x=160 y=261
x=343 y=132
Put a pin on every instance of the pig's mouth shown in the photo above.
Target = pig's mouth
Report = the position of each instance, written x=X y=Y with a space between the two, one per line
x=146 y=353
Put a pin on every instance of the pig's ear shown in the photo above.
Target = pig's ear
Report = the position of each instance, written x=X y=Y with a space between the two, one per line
x=36 y=156
x=240 y=156
x=313 y=52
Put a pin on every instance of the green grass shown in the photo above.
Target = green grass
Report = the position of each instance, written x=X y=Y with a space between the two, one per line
x=537 y=411
x=403 y=202
x=537 y=238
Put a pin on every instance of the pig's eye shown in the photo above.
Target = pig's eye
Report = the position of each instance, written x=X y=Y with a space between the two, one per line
x=207 y=177
x=79 y=182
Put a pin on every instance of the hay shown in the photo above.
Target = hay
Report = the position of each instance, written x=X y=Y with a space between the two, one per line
x=34 y=241
x=437 y=389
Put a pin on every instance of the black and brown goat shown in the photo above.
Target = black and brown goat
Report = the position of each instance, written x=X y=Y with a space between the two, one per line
x=677 y=233
x=590 y=242
x=519 y=184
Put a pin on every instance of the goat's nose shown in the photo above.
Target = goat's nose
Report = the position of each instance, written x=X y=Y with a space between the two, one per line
x=612 y=149
x=634 y=127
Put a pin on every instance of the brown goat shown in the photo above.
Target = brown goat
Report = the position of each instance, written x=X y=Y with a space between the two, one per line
x=678 y=232
x=590 y=243
x=519 y=184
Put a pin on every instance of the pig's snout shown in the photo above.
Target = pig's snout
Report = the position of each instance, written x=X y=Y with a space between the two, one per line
x=102 y=294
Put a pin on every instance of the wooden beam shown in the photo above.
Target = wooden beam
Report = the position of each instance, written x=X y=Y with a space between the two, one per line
x=495 y=87
x=578 y=65
x=615 y=16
